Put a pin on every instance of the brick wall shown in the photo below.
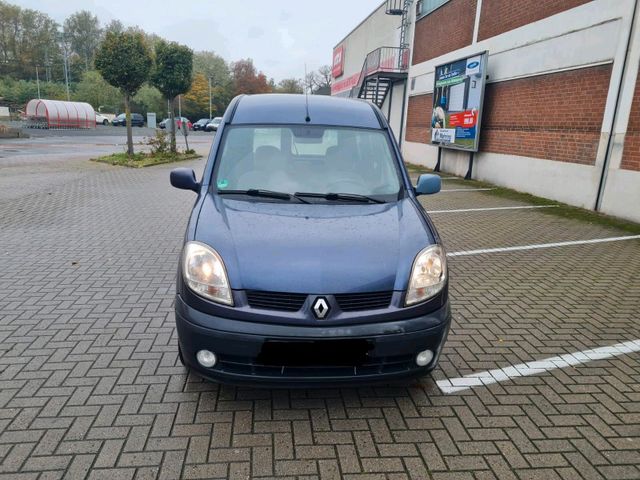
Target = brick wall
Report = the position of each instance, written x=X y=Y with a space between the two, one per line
x=446 y=29
x=556 y=116
x=631 y=152
x=419 y=119
x=499 y=16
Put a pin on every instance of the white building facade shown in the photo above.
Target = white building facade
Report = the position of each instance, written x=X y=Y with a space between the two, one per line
x=561 y=114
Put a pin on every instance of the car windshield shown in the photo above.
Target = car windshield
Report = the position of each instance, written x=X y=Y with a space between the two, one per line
x=308 y=160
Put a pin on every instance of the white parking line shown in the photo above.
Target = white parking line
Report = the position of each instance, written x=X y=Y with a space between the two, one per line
x=489 y=209
x=489 y=377
x=541 y=245
x=466 y=190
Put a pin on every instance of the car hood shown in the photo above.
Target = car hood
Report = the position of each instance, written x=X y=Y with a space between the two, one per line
x=314 y=248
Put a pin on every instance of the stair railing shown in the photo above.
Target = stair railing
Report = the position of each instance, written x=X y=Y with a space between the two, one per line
x=383 y=59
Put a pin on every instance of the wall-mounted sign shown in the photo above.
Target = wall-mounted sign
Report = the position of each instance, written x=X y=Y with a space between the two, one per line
x=458 y=93
x=338 y=61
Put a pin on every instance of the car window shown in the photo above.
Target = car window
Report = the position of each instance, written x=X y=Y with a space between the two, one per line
x=310 y=159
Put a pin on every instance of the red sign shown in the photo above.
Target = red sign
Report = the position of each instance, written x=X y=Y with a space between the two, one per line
x=467 y=119
x=338 y=61
x=347 y=83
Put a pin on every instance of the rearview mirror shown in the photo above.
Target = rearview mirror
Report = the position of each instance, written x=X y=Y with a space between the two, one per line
x=184 y=179
x=428 y=184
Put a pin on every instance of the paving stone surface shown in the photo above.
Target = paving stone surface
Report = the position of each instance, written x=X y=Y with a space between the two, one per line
x=91 y=387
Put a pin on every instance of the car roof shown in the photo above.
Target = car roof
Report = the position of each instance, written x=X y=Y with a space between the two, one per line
x=291 y=109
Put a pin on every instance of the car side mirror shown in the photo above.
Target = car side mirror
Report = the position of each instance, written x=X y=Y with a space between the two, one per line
x=428 y=184
x=184 y=179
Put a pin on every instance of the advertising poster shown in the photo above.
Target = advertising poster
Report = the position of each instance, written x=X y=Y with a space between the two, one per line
x=458 y=92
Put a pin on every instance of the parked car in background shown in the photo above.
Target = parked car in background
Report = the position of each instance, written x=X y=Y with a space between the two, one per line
x=212 y=126
x=137 y=120
x=201 y=124
x=308 y=258
x=101 y=119
x=179 y=120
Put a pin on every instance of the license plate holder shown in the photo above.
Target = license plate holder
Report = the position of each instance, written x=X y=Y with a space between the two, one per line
x=308 y=353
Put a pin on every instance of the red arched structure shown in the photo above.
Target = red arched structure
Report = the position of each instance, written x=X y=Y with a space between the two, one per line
x=57 y=114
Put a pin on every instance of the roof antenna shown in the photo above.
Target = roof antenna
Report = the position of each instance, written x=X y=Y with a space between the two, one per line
x=306 y=95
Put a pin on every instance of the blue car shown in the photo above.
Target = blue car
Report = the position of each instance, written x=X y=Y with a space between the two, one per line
x=307 y=258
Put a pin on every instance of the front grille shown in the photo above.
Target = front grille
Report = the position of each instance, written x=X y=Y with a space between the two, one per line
x=351 y=302
x=292 y=302
x=373 y=366
x=288 y=302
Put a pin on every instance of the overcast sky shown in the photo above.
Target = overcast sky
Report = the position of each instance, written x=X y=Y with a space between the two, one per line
x=280 y=35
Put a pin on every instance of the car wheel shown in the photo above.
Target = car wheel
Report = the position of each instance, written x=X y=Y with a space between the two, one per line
x=105 y=122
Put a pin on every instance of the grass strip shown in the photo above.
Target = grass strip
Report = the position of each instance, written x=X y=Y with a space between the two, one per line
x=562 y=210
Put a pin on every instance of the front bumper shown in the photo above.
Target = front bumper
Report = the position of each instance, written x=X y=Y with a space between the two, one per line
x=240 y=348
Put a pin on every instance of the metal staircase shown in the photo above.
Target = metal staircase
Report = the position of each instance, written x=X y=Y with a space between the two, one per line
x=382 y=68
x=375 y=90
x=386 y=65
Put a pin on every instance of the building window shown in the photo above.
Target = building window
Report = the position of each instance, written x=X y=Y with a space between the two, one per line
x=425 y=7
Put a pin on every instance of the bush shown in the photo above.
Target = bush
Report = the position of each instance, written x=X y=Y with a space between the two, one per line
x=159 y=144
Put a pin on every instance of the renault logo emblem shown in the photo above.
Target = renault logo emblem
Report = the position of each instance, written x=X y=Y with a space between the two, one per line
x=320 y=308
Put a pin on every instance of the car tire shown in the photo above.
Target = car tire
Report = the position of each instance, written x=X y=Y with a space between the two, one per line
x=181 y=358
x=105 y=122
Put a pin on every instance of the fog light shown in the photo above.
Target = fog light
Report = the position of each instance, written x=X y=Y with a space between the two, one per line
x=424 y=358
x=206 y=358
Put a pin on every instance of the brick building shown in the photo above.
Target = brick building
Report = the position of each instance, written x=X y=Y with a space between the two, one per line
x=561 y=115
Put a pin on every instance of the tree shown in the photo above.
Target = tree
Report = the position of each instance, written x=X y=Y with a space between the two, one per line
x=95 y=90
x=27 y=39
x=319 y=82
x=124 y=60
x=196 y=100
x=246 y=79
x=114 y=26
x=289 y=85
x=214 y=67
x=83 y=31
x=16 y=93
x=172 y=75
x=150 y=99
x=211 y=66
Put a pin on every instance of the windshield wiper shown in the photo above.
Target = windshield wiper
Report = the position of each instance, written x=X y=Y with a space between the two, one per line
x=352 y=197
x=259 y=192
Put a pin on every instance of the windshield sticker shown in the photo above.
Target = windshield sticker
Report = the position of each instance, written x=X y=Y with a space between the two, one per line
x=224 y=183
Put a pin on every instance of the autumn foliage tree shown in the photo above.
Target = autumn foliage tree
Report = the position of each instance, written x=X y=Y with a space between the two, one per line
x=246 y=79
x=196 y=100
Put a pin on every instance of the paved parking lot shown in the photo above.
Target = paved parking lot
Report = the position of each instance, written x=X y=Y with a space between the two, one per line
x=90 y=383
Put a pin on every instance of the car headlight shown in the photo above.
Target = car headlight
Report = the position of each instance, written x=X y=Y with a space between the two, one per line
x=204 y=272
x=428 y=275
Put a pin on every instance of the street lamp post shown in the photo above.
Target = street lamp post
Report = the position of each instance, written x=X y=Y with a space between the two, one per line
x=38 y=81
x=63 y=41
x=210 y=98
